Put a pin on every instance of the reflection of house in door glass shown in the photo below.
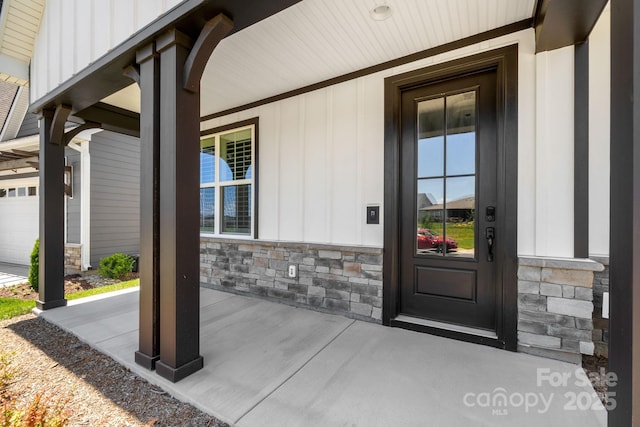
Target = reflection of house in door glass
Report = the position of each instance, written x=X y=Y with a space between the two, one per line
x=446 y=168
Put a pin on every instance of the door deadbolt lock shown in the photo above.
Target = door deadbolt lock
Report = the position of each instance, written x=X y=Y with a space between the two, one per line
x=491 y=213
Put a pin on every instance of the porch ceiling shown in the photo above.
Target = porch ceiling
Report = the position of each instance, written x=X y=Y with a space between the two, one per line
x=316 y=40
x=19 y=23
x=282 y=46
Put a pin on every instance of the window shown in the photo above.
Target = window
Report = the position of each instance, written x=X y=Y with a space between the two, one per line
x=17 y=192
x=227 y=182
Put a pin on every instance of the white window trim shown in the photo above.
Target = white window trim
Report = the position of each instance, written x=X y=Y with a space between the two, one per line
x=218 y=184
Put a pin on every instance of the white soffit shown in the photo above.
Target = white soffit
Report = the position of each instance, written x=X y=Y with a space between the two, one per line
x=127 y=98
x=19 y=24
x=316 y=40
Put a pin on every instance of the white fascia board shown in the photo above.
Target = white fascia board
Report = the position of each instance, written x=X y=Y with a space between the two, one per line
x=14 y=68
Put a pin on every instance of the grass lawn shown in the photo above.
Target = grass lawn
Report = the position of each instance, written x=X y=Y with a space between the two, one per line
x=103 y=289
x=12 y=307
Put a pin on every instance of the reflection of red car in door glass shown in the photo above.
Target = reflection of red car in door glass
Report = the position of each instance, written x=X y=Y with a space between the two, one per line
x=428 y=239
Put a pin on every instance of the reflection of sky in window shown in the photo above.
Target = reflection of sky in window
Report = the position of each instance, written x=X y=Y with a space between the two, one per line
x=207 y=165
x=461 y=155
x=457 y=188
x=431 y=156
x=229 y=198
x=460 y=187
x=208 y=169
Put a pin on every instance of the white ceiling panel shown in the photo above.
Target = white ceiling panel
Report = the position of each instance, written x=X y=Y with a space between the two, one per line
x=19 y=26
x=316 y=40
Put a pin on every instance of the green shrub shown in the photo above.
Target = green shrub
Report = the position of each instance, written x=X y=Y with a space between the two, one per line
x=116 y=266
x=35 y=265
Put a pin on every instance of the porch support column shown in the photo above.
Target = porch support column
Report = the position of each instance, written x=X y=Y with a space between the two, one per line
x=624 y=330
x=181 y=65
x=581 y=152
x=179 y=214
x=51 y=257
x=149 y=265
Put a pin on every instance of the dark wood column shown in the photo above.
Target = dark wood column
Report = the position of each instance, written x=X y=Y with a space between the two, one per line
x=149 y=81
x=624 y=326
x=179 y=213
x=51 y=273
x=581 y=152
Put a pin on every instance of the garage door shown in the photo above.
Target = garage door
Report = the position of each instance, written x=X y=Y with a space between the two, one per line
x=18 y=223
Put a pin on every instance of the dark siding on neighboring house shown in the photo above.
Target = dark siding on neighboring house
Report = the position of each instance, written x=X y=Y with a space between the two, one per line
x=115 y=195
x=29 y=125
x=73 y=204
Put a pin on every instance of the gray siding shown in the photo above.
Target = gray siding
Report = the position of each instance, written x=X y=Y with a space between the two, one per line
x=73 y=204
x=115 y=195
x=29 y=125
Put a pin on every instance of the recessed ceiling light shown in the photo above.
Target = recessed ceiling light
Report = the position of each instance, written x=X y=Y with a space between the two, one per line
x=381 y=12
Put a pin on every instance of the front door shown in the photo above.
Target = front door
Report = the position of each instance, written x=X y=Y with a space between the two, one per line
x=448 y=203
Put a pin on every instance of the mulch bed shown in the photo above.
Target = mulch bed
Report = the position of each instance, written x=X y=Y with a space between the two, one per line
x=72 y=283
x=596 y=368
x=94 y=389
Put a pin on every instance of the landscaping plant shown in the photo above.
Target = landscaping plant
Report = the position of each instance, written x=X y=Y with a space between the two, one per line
x=35 y=265
x=116 y=266
x=40 y=412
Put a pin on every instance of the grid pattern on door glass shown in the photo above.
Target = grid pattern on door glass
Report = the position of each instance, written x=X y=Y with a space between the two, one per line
x=446 y=175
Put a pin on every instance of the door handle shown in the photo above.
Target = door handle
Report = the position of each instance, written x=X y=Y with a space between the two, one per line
x=490 y=235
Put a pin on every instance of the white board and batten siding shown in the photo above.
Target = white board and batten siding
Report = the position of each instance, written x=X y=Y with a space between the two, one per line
x=322 y=154
x=115 y=195
x=75 y=33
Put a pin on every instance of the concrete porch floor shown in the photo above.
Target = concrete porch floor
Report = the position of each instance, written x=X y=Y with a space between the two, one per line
x=268 y=364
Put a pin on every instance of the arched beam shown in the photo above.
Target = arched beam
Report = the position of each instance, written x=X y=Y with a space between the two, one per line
x=133 y=72
x=212 y=33
x=60 y=117
x=75 y=131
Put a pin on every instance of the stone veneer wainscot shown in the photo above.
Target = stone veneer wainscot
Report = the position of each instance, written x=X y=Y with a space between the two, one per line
x=73 y=257
x=345 y=280
x=600 y=325
x=555 y=307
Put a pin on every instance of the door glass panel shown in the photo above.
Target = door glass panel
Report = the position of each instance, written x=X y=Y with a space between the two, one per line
x=461 y=134
x=431 y=138
x=446 y=175
x=430 y=215
x=460 y=216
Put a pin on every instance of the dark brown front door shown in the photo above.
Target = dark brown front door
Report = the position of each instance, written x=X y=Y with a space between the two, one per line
x=448 y=202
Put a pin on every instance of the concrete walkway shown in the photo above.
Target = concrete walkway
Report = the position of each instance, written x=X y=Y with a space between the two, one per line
x=13 y=274
x=269 y=364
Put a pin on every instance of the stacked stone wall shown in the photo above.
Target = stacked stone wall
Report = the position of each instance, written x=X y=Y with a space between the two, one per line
x=338 y=279
x=555 y=307
x=600 y=325
x=73 y=257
